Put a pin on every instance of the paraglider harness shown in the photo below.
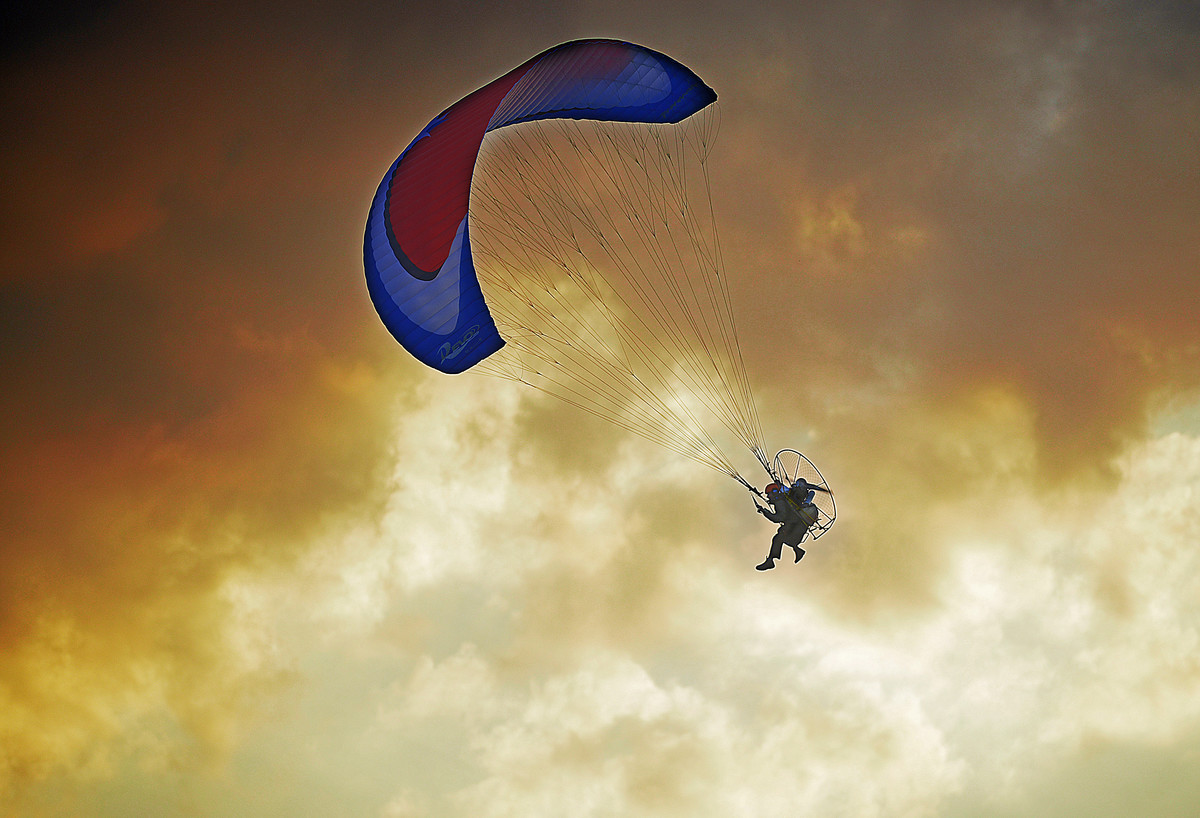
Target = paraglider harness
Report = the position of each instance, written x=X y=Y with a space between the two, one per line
x=803 y=505
x=795 y=491
x=800 y=501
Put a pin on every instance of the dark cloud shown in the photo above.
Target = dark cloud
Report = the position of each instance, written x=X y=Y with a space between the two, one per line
x=1030 y=157
x=29 y=27
x=190 y=392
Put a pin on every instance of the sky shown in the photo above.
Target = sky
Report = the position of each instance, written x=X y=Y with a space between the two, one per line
x=255 y=560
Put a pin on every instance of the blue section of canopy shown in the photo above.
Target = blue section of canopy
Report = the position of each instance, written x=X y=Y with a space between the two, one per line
x=444 y=322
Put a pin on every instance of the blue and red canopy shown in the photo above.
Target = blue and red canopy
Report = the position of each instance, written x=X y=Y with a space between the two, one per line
x=417 y=252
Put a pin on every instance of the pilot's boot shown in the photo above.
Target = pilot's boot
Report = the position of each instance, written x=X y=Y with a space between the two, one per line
x=765 y=565
x=799 y=552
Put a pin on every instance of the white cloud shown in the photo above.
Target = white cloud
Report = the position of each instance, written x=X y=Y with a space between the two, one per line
x=640 y=678
x=463 y=686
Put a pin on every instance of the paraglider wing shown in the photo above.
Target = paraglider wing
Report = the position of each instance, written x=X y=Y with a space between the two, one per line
x=417 y=251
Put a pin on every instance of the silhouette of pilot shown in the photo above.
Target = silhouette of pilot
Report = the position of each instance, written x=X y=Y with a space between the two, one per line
x=794 y=518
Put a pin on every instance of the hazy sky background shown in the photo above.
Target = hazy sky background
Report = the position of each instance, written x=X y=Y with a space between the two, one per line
x=257 y=561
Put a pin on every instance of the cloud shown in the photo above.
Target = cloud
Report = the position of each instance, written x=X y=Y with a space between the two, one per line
x=756 y=700
x=549 y=677
x=181 y=408
x=243 y=531
x=119 y=547
x=1053 y=226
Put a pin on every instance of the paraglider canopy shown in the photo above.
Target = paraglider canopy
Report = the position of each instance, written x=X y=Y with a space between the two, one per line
x=569 y=240
x=417 y=252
